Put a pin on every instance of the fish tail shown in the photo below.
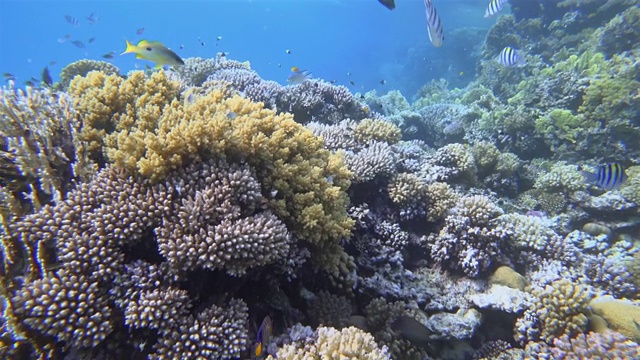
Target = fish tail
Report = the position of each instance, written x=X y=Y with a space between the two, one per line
x=130 y=48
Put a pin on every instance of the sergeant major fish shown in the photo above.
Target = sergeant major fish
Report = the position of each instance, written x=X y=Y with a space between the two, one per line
x=511 y=57
x=608 y=177
x=433 y=24
x=494 y=7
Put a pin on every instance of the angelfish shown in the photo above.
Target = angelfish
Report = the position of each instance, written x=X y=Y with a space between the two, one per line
x=263 y=337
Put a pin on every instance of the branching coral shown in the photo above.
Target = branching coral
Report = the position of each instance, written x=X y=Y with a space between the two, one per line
x=288 y=159
x=561 y=309
x=608 y=345
x=109 y=103
x=329 y=343
x=82 y=68
x=470 y=239
x=204 y=216
x=41 y=153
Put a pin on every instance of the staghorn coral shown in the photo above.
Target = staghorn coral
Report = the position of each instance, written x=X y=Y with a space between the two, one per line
x=287 y=157
x=336 y=136
x=561 y=309
x=82 y=68
x=470 y=239
x=609 y=274
x=329 y=343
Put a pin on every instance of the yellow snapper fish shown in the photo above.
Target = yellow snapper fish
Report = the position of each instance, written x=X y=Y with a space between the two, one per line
x=154 y=51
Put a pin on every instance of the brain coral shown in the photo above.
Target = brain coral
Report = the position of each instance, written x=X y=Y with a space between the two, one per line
x=152 y=133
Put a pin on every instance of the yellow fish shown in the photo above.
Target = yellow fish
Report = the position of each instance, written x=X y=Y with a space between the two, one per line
x=153 y=51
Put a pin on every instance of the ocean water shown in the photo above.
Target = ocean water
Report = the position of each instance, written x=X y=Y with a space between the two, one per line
x=341 y=40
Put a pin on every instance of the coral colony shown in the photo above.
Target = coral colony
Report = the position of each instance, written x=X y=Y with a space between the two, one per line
x=164 y=214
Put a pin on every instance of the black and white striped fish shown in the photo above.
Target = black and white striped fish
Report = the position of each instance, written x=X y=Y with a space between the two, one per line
x=494 y=7
x=511 y=57
x=434 y=24
x=608 y=176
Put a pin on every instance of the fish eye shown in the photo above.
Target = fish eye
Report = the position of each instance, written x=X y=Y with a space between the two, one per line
x=148 y=49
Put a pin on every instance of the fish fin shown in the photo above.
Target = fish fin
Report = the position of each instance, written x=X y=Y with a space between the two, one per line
x=158 y=66
x=258 y=351
x=130 y=48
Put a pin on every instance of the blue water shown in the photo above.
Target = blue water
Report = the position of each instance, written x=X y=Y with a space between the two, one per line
x=342 y=40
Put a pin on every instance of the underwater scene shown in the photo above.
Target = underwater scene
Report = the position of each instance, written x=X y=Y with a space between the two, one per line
x=321 y=179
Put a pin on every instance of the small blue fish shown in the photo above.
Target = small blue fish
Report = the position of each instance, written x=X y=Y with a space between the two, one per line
x=608 y=177
x=263 y=338
x=231 y=115
x=494 y=7
x=330 y=179
x=298 y=76
x=92 y=18
x=71 y=20
x=511 y=57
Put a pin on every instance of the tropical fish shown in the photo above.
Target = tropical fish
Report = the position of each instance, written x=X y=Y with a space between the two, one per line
x=412 y=330
x=91 y=40
x=231 y=115
x=511 y=57
x=92 y=18
x=9 y=76
x=78 y=44
x=109 y=55
x=46 y=76
x=288 y=51
x=389 y=4
x=608 y=176
x=494 y=7
x=153 y=51
x=71 y=20
x=433 y=24
x=382 y=82
x=140 y=31
x=264 y=337
x=64 y=38
x=298 y=76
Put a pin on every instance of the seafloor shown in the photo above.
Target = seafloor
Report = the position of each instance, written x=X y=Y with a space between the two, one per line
x=165 y=214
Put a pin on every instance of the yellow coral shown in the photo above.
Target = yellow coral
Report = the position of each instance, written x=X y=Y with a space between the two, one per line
x=506 y=276
x=441 y=198
x=152 y=133
x=110 y=103
x=406 y=188
x=562 y=309
x=369 y=130
x=621 y=316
